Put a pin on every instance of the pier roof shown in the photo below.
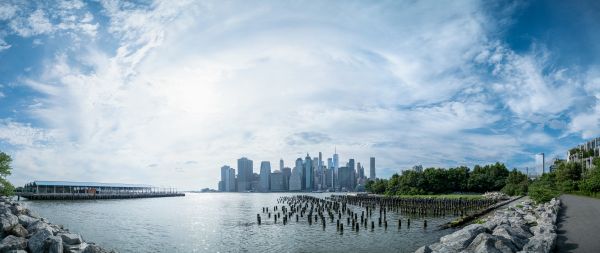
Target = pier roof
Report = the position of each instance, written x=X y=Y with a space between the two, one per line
x=88 y=184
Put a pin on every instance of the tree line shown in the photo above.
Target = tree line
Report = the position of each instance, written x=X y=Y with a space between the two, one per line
x=491 y=177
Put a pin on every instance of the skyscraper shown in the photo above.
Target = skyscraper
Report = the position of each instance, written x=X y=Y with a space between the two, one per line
x=361 y=171
x=265 y=173
x=296 y=178
x=281 y=164
x=276 y=181
x=223 y=182
x=230 y=181
x=372 y=175
x=334 y=171
x=245 y=171
x=287 y=173
x=308 y=173
x=331 y=171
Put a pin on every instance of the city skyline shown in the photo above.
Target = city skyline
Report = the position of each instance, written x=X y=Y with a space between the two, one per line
x=165 y=92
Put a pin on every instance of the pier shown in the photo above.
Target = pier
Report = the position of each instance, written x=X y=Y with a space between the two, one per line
x=64 y=190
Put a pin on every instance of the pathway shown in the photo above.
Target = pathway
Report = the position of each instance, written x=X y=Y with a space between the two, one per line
x=578 y=225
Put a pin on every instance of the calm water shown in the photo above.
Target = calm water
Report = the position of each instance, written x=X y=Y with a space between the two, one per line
x=221 y=222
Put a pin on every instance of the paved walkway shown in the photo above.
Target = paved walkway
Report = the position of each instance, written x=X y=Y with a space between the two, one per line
x=578 y=225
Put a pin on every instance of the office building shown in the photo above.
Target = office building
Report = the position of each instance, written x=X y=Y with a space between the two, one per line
x=308 y=173
x=245 y=174
x=276 y=181
x=296 y=178
x=287 y=173
x=372 y=174
x=265 y=173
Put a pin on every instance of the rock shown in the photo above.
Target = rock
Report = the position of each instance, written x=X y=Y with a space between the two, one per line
x=541 y=243
x=12 y=242
x=39 y=225
x=74 y=248
x=53 y=244
x=19 y=230
x=70 y=238
x=26 y=220
x=462 y=238
x=18 y=209
x=7 y=221
x=485 y=242
x=16 y=251
x=516 y=235
x=424 y=249
x=36 y=242
x=93 y=248
x=543 y=229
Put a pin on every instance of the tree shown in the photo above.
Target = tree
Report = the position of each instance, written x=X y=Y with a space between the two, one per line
x=516 y=183
x=5 y=169
x=544 y=189
x=567 y=176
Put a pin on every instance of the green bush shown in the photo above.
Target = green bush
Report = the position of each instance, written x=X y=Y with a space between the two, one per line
x=7 y=188
x=543 y=189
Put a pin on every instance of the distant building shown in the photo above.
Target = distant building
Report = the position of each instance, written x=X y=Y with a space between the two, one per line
x=265 y=173
x=361 y=171
x=330 y=173
x=372 y=175
x=345 y=179
x=308 y=173
x=227 y=183
x=281 y=164
x=585 y=153
x=296 y=178
x=287 y=173
x=277 y=180
x=245 y=174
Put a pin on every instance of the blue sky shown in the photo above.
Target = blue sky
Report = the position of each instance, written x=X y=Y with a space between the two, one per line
x=166 y=92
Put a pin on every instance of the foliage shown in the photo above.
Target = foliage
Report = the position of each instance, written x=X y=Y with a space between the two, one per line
x=567 y=176
x=544 y=188
x=5 y=169
x=377 y=186
x=441 y=181
x=516 y=183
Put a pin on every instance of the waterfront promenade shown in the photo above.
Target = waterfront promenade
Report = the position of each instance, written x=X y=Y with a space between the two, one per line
x=578 y=224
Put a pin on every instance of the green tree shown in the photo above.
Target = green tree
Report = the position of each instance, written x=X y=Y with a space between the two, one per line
x=567 y=176
x=544 y=188
x=516 y=183
x=5 y=169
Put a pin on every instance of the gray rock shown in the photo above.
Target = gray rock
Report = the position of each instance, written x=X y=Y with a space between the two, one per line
x=36 y=241
x=19 y=230
x=543 y=228
x=39 y=225
x=78 y=248
x=485 y=242
x=53 y=244
x=26 y=220
x=516 y=235
x=17 y=209
x=462 y=238
x=424 y=249
x=7 y=221
x=12 y=242
x=93 y=248
x=70 y=238
x=541 y=243
x=17 y=251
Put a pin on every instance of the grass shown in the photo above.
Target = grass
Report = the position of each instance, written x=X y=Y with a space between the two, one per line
x=519 y=206
x=444 y=196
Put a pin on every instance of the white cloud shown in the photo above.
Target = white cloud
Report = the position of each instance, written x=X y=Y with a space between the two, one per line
x=37 y=23
x=212 y=82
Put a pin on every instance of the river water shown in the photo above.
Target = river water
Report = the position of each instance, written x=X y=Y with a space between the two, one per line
x=222 y=222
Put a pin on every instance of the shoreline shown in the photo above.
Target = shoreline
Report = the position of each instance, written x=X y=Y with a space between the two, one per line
x=24 y=231
x=524 y=227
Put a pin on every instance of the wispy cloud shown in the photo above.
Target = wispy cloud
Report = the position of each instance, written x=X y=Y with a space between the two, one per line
x=194 y=85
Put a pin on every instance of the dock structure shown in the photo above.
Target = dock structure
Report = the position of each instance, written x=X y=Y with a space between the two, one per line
x=65 y=190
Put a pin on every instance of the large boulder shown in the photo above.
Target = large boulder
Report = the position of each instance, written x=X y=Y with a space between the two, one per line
x=93 y=248
x=424 y=249
x=53 y=244
x=36 y=241
x=485 y=242
x=543 y=243
x=19 y=230
x=517 y=235
x=12 y=242
x=70 y=238
x=462 y=238
x=7 y=221
x=26 y=220
x=39 y=225
x=543 y=228
x=77 y=248
x=17 y=209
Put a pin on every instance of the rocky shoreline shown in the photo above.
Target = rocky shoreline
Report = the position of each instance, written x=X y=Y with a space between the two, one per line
x=523 y=228
x=23 y=231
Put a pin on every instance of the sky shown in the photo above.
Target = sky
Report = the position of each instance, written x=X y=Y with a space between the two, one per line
x=166 y=92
